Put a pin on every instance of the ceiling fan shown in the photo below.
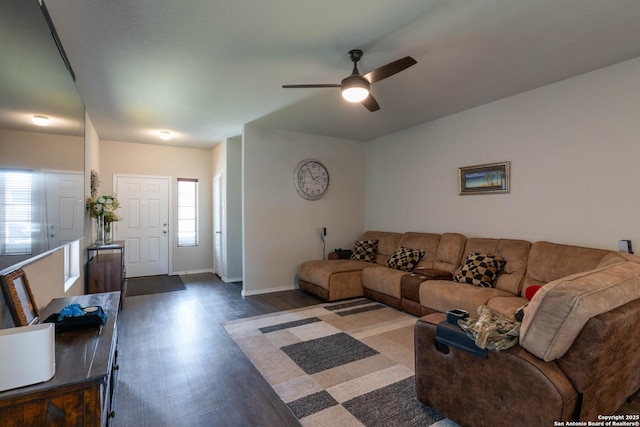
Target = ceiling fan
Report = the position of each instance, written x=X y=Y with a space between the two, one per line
x=356 y=87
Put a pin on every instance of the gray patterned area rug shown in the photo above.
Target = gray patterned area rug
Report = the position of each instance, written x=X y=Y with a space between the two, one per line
x=339 y=364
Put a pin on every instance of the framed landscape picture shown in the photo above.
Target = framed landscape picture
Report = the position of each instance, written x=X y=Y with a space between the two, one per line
x=483 y=179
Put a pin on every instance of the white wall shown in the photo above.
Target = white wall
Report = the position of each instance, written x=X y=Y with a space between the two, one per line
x=91 y=162
x=281 y=229
x=46 y=280
x=20 y=149
x=233 y=205
x=226 y=160
x=574 y=148
x=91 y=152
x=144 y=159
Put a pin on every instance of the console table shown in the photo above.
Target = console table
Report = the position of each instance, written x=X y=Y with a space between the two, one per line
x=105 y=269
x=80 y=393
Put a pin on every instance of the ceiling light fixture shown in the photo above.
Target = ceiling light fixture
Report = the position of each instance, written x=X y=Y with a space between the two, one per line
x=41 y=120
x=165 y=135
x=355 y=88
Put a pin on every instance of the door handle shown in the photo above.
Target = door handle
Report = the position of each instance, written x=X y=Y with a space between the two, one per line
x=218 y=232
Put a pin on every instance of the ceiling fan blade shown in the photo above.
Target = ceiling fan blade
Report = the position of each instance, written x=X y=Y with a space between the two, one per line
x=390 y=69
x=311 y=85
x=371 y=103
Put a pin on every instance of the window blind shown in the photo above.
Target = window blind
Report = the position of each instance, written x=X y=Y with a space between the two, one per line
x=187 y=212
x=16 y=213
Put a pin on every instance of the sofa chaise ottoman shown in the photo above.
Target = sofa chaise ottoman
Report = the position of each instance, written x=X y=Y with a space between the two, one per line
x=337 y=279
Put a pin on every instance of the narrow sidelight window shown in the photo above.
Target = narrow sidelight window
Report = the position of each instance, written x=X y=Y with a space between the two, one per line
x=187 y=212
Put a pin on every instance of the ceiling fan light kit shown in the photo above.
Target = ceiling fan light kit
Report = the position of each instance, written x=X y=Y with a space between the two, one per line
x=356 y=88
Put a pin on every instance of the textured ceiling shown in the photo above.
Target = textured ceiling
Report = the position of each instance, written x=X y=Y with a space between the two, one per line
x=204 y=68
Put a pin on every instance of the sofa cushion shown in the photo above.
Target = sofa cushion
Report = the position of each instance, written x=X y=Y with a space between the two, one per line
x=365 y=250
x=507 y=305
x=516 y=252
x=383 y=280
x=551 y=261
x=388 y=242
x=480 y=270
x=444 y=295
x=449 y=252
x=404 y=259
x=320 y=272
x=428 y=242
x=558 y=312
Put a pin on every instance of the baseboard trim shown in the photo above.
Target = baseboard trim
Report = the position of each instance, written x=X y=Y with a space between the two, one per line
x=246 y=293
x=231 y=280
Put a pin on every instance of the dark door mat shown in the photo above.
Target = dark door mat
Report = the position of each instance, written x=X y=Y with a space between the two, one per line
x=153 y=285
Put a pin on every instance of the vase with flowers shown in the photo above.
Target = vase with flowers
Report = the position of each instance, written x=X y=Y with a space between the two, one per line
x=103 y=209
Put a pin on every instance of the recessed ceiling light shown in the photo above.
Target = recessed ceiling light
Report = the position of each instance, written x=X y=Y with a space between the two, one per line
x=41 y=120
x=165 y=135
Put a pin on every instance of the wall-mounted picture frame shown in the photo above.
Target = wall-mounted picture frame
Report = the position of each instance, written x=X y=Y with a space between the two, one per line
x=95 y=183
x=20 y=301
x=490 y=178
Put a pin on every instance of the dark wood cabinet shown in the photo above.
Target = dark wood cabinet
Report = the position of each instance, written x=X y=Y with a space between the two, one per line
x=105 y=269
x=80 y=393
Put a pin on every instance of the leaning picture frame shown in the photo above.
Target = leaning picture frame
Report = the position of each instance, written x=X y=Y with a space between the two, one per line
x=19 y=298
x=489 y=178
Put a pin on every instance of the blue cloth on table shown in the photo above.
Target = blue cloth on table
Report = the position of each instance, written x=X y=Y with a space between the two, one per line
x=75 y=310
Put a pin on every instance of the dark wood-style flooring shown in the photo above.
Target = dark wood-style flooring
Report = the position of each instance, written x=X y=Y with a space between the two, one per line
x=179 y=367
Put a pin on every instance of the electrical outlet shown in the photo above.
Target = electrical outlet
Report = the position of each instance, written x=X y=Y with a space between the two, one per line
x=625 y=246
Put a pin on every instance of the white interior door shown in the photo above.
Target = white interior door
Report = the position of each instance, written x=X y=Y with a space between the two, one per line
x=144 y=207
x=64 y=195
x=217 y=225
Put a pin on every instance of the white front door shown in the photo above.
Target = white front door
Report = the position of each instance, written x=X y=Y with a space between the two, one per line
x=144 y=208
x=64 y=195
x=217 y=225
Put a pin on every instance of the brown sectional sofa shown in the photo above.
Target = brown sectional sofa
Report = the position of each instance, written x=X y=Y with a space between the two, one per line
x=579 y=353
x=339 y=279
x=442 y=252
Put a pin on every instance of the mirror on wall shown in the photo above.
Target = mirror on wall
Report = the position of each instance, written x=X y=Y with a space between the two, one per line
x=41 y=166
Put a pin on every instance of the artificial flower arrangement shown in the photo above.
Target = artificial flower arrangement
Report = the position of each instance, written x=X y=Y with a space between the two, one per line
x=104 y=206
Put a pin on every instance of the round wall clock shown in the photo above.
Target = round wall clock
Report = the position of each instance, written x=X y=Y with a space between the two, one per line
x=311 y=179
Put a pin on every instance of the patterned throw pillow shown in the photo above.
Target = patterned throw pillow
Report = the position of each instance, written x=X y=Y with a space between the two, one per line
x=365 y=250
x=480 y=270
x=519 y=314
x=405 y=259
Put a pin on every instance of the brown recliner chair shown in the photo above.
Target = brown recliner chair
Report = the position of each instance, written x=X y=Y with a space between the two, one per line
x=513 y=387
